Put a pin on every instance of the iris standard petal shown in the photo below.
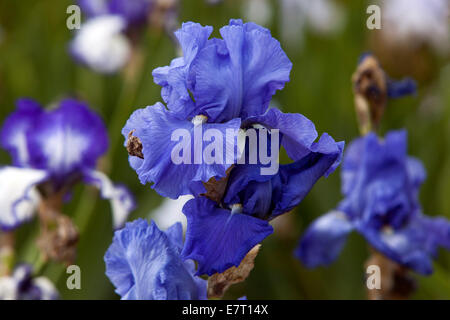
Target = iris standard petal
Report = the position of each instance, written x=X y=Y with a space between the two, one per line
x=218 y=239
x=165 y=137
x=237 y=76
x=324 y=239
x=176 y=79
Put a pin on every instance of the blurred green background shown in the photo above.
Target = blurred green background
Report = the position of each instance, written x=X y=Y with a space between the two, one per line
x=34 y=62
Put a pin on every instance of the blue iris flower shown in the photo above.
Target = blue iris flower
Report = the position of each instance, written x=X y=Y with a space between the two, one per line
x=380 y=184
x=144 y=263
x=227 y=84
x=52 y=150
x=217 y=82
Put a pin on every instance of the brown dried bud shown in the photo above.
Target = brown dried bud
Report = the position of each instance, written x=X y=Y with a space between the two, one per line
x=370 y=89
x=59 y=236
x=219 y=283
x=59 y=239
x=134 y=146
x=396 y=283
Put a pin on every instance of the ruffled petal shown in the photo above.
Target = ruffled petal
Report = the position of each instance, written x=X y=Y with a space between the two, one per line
x=67 y=139
x=18 y=196
x=155 y=127
x=143 y=263
x=176 y=79
x=268 y=196
x=218 y=239
x=324 y=239
x=13 y=135
x=297 y=132
x=122 y=200
x=237 y=76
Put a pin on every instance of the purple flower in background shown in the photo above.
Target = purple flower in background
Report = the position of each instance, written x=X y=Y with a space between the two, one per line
x=51 y=151
x=380 y=184
x=144 y=263
x=132 y=11
x=22 y=286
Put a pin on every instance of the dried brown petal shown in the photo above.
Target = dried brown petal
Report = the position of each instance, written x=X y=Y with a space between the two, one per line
x=215 y=189
x=370 y=89
x=134 y=146
x=59 y=239
x=219 y=283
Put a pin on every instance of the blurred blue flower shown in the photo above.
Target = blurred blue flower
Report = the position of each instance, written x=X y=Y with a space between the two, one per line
x=51 y=151
x=380 y=184
x=219 y=235
x=144 y=263
x=22 y=286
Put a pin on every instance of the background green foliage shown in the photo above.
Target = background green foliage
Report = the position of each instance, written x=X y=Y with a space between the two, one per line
x=34 y=62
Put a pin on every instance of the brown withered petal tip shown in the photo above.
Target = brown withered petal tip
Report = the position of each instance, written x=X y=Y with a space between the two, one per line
x=134 y=145
x=219 y=283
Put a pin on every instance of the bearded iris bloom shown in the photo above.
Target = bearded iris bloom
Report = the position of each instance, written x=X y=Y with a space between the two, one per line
x=51 y=151
x=144 y=263
x=227 y=84
x=380 y=184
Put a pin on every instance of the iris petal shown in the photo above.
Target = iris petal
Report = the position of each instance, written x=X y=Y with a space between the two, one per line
x=122 y=201
x=18 y=196
x=155 y=126
x=218 y=239
x=324 y=239
x=143 y=263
